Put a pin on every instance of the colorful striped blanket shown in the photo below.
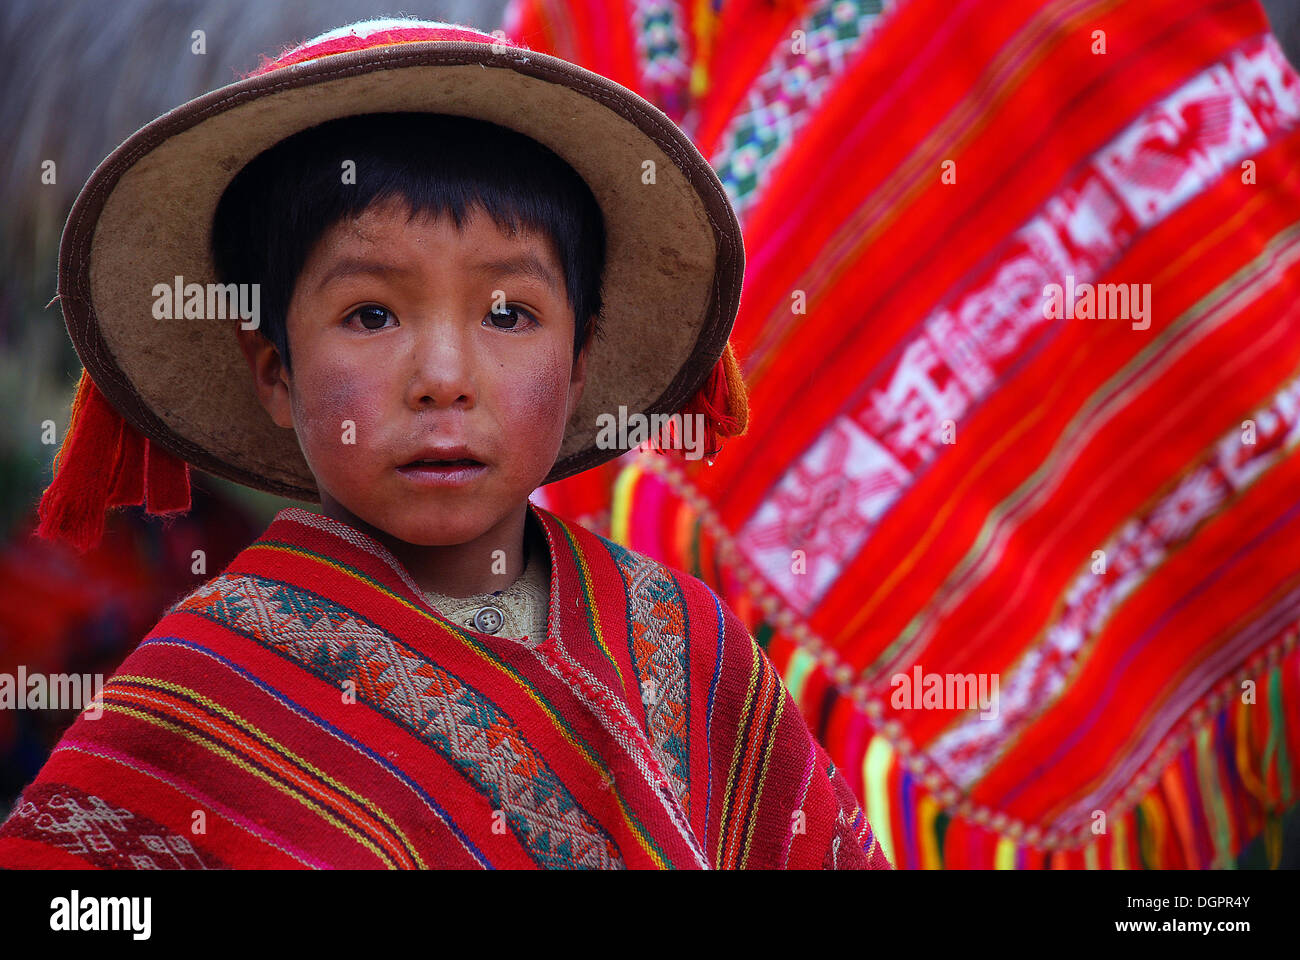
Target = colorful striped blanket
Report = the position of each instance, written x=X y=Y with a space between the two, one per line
x=1097 y=507
x=306 y=708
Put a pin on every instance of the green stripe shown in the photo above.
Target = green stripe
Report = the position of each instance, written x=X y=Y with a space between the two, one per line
x=574 y=558
x=589 y=607
x=1277 y=735
x=796 y=674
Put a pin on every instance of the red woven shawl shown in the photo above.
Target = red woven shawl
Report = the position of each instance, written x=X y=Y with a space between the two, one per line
x=307 y=708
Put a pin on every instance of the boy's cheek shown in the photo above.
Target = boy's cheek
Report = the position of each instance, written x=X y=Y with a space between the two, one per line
x=335 y=419
x=547 y=396
x=546 y=387
x=539 y=403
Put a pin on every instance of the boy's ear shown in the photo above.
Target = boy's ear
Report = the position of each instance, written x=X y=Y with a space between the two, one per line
x=269 y=377
x=577 y=381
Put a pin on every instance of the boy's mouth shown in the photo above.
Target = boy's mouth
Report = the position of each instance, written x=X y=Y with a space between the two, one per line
x=446 y=467
x=445 y=455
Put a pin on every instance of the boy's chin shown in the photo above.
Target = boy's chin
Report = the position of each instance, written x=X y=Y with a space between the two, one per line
x=422 y=534
x=425 y=518
x=420 y=523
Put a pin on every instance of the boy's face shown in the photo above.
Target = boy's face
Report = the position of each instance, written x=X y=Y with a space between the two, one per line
x=396 y=349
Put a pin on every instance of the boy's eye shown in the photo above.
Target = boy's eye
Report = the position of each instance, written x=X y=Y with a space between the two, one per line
x=510 y=318
x=371 y=317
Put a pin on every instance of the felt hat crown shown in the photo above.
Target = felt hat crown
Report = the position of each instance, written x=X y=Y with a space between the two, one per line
x=159 y=396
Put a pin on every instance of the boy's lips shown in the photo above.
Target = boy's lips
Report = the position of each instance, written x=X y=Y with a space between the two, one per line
x=442 y=456
x=443 y=466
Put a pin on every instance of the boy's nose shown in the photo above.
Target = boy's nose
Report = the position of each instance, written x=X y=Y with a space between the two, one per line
x=442 y=365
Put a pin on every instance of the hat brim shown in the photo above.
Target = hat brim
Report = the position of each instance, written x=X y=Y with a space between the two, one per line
x=674 y=265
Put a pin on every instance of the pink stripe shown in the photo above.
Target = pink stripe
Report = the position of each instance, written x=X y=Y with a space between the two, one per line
x=803 y=796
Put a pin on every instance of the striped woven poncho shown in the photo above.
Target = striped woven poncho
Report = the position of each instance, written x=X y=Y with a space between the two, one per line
x=1100 y=512
x=307 y=708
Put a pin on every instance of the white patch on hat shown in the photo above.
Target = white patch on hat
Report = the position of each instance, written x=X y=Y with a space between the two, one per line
x=364 y=28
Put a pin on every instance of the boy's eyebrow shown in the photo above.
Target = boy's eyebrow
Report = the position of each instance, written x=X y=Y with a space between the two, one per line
x=523 y=264
x=352 y=266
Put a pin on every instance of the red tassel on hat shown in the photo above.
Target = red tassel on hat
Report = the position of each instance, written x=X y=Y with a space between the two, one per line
x=723 y=399
x=105 y=462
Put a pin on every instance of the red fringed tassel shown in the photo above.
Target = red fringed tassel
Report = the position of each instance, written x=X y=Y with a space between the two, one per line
x=723 y=400
x=104 y=462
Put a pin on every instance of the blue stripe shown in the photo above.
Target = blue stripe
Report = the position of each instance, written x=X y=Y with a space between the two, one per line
x=708 y=722
x=325 y=724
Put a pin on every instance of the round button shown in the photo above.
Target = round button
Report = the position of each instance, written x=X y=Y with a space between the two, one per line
x=488 y=620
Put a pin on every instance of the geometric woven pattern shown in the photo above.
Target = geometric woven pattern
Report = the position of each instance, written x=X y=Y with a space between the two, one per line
x=462 y=724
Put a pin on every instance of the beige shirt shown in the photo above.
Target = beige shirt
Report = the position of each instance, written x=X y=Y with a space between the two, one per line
x=521 y=608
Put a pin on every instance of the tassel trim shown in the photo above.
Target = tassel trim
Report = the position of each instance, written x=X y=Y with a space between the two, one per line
x=723 y=403
x=105 y=462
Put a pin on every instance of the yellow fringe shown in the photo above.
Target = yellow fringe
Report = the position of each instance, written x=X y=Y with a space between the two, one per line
x=705 y=25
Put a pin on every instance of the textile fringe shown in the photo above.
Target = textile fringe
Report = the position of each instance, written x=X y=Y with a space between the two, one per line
x=704 y=23
x=1225 y=775
x=104 y=462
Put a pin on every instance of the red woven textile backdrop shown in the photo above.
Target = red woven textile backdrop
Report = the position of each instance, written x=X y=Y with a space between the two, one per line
x=950 y=481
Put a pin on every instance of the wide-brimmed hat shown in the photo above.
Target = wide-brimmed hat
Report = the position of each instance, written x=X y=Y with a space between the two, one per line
x=159 y=395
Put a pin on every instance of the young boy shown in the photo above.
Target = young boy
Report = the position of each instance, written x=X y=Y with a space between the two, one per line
x=451 y=256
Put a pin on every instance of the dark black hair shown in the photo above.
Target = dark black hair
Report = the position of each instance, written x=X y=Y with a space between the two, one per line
x=280 y=204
